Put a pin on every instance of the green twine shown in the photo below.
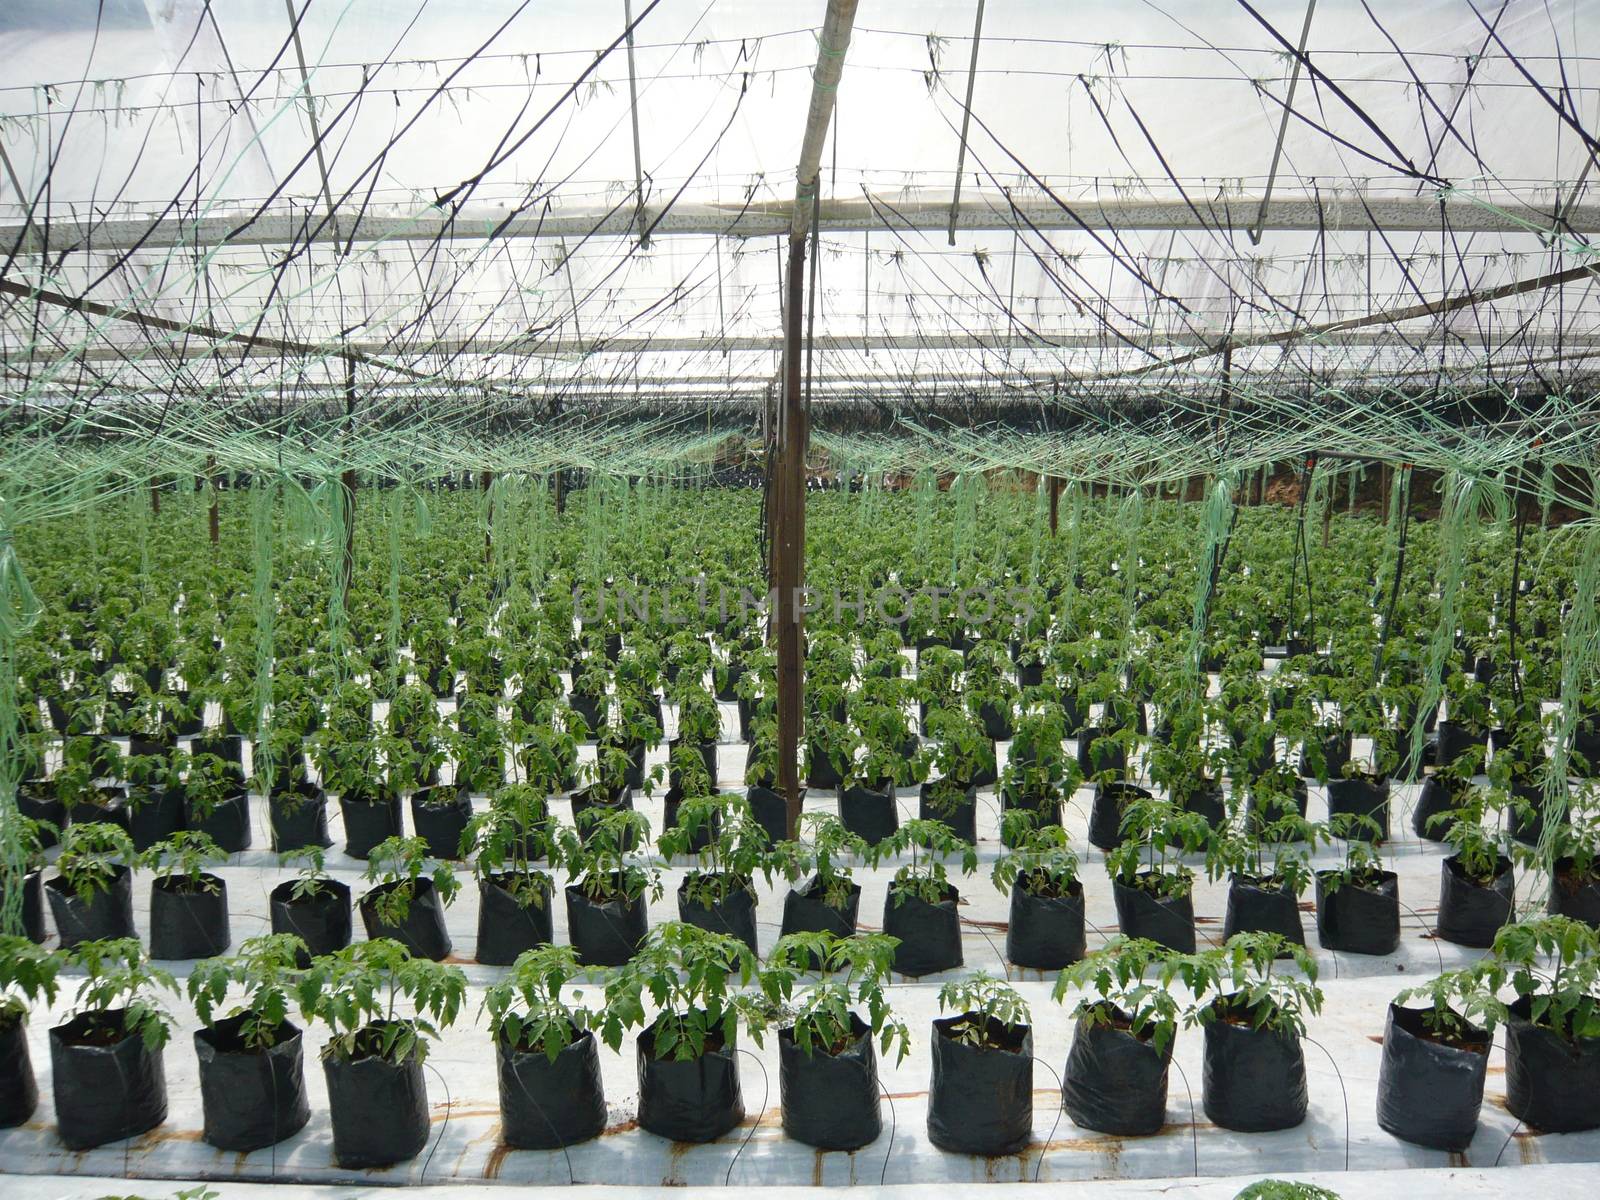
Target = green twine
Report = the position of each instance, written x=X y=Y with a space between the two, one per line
x=262 y=497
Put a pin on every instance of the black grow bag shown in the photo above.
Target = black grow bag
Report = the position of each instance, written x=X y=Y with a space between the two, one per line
x=1253 y=908
x=1254 y=1079
x=806 y=911
x=545 y=1105
x=1111 y=800
x=1167 y=921
x=36 y=800
x=422 y=932
x=830 y=1100
x=869 y=813
x=1434 y=799
x=104 y=1092
x=250 y=1098
x=1115 y=1082
x=506 y=928
x=605 y=933
x=1571 y=895
x=697 y=1100
x=107 y=914
x=154 y=815
x=770 y=811
x=440 y=816
x=228 y=824
x=321 y=921
x=1359 y=918
x=378 y=1109
x=33 y=907
x=19 y=1092
x=961 y=816
x=188 y=924
x=1045 y=932
x=1430 y=1091
x=1552 y=1084
x=735 y=915
x=367 y=822
x=1361 y=797
x=298 y=816
x=930 y=934
x=981 y=1097
x=1469 y=912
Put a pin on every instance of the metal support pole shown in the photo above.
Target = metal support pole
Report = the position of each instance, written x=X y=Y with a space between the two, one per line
x=633 y=112
x=1283 y=128
x=789 y=459
x=966 y=121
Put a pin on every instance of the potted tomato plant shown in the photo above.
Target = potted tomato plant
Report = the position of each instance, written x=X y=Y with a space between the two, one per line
x=981 y=1097
x=188 y=904
x=406 y=902
x=27 y=976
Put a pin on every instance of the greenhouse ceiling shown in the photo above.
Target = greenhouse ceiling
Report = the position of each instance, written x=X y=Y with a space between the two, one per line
x=574 y=203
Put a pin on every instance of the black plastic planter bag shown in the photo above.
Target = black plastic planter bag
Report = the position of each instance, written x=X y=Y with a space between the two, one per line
x=545 y=1105
x=19 y=1092
x=1551 y=1084
x=368 y=822
x=1045 y=932
x=1167 y=921
x=506 y=928
x=1359 y=918
x=605 y=933
x=1253 y=908
x=770 y=812
x=1360 y=797
x=697 y=1100
x=869 y=814
x=981 y=1098
x=1254 y=1079
x=805 y=911
x=298 y=817
x=440 y=818
x=586 y=801
x=1115 y=1082
x=1112 y=758
x=36 y=800
x=154 y=816
x=33 y=907
x=1571 y=895
x=961 y=816
x=228 y=824
x=188 y=924
x=830 y=1101
x=1470 y=913
x=250 y=1098
x=104 y=1093
x=1429 y=1092
x=322 y=921
x=1454 y=741
x=422 y=932
x=378 y=1109
x=1045 y=807
x=1433 y=800
x=930 y=934
x=824 y=774
x=735 y=915
x=1105 y=814
x=107 y=914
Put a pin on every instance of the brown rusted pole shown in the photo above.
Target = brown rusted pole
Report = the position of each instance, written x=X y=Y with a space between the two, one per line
x=155 y=497
x=485 y=482
x=213 y=517
x=1055 y=504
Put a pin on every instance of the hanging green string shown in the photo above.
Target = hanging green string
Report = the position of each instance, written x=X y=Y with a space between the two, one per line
x=397 y=515
x=1580 y=668
x=19 y=612
x=1218 y=524
x=1547 y=493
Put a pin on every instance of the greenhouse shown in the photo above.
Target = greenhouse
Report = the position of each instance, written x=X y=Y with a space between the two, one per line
x=845 y=593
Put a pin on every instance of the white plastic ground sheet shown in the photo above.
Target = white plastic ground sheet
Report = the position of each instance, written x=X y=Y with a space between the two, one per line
x=1342 y=1057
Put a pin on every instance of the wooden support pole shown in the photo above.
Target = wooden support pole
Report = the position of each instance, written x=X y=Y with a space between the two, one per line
x=1055 y=504
x=155 y=497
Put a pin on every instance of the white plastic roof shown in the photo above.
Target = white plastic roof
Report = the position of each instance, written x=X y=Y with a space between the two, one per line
x=161 y=159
